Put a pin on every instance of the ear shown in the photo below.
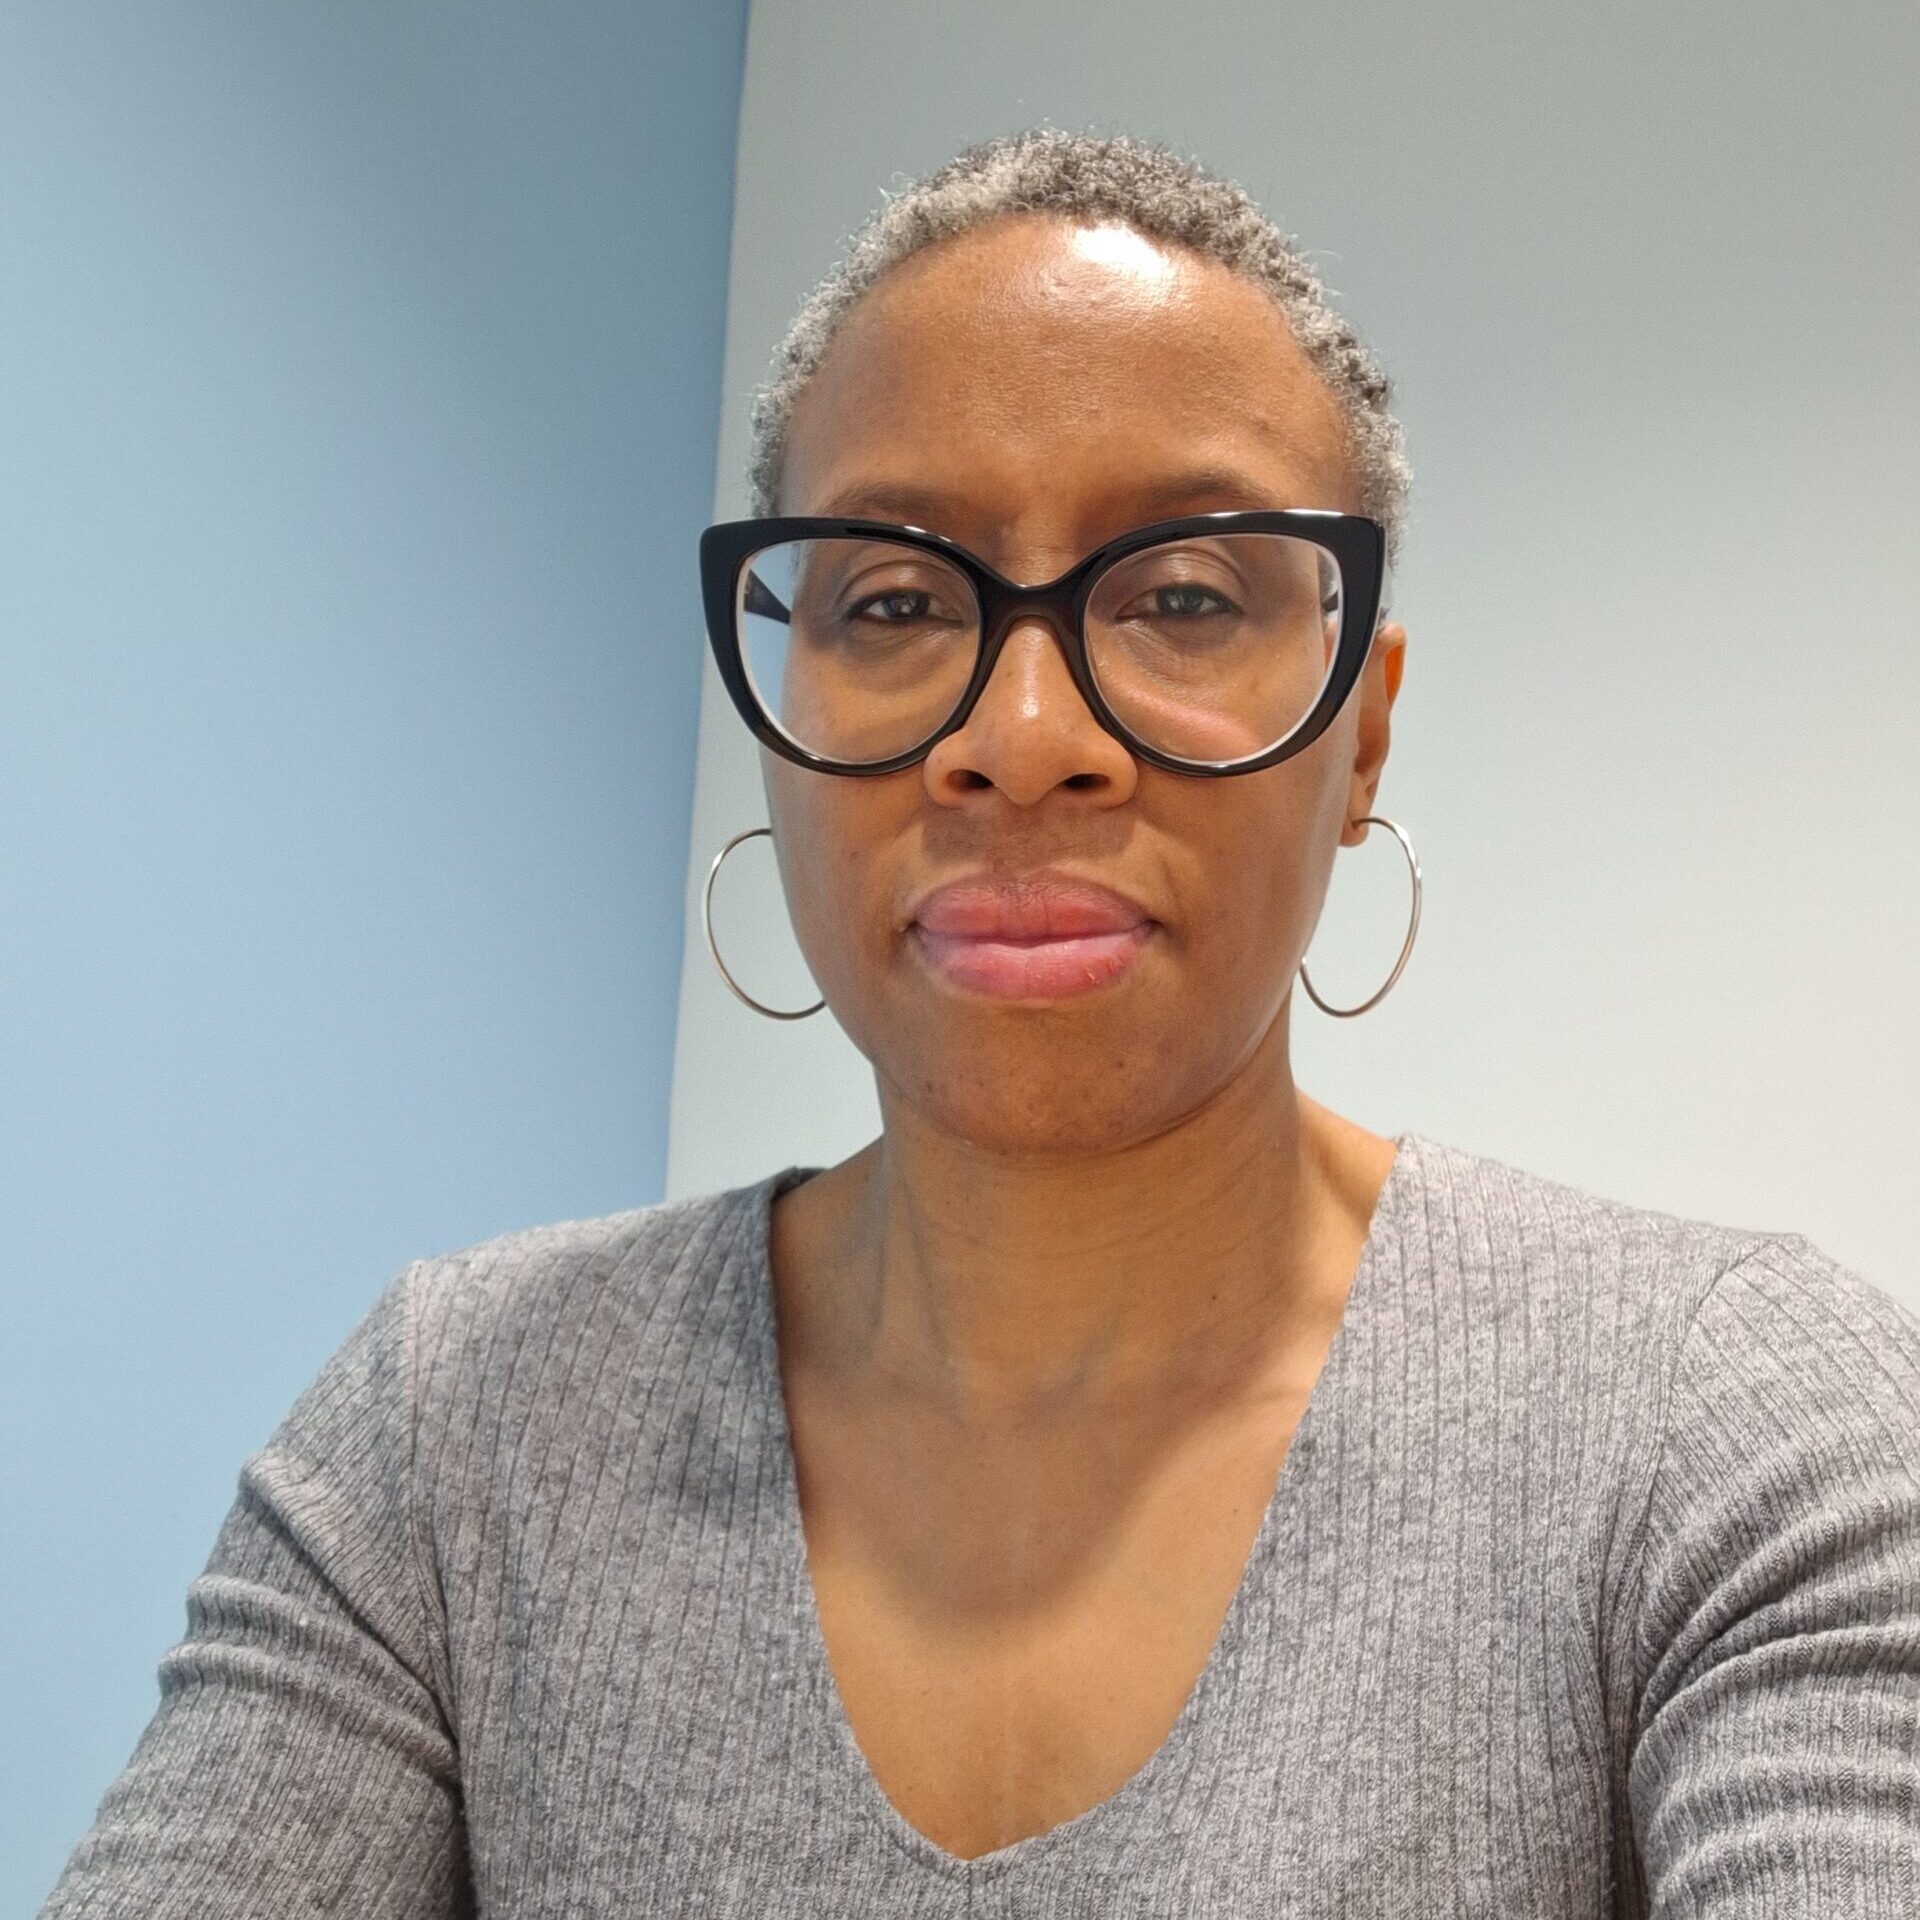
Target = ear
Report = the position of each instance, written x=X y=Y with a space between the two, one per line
x=1378 y=688
x=1393 y=636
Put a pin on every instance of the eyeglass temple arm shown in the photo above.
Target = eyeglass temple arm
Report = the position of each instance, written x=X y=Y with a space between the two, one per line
x=762 y=600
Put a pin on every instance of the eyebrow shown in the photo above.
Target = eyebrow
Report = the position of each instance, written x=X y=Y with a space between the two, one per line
x=1221 y=487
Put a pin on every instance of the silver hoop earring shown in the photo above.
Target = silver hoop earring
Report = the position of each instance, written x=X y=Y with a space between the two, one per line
x=772 y=1013
x=1413 y=927
x=1340 y=1013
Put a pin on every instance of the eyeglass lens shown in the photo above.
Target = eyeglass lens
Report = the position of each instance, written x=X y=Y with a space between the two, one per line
x=1209 y=648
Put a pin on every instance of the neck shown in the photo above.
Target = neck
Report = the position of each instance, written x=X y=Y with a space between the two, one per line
x=995 y=1287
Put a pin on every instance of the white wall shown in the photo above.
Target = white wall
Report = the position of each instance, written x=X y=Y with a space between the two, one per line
x=1645 y=278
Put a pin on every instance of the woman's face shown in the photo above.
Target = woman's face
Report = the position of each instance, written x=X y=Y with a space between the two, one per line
x=1032 y=389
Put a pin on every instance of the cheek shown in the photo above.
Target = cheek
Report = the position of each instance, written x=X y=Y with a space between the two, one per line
x=1243 y=908
x=1257 y=901
x=837 y=874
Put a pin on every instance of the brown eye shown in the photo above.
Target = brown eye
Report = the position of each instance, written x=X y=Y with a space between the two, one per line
x=922 y=605
x=1188 y=598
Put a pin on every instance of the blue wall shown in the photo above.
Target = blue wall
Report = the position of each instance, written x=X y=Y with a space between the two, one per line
x=358 y=390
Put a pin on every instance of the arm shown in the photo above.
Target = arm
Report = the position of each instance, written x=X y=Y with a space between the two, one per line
x=1775 y=1770
x=301 y=1759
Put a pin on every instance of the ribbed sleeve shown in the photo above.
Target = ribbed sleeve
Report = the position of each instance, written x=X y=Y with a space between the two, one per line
x=1776 y=1768
x=300 y=1759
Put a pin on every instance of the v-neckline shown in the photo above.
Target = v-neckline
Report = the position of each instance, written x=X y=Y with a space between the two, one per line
x=798 y=1615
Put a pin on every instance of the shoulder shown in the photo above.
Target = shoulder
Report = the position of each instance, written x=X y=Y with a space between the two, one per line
x=1662 y=1327
x=1732 y=1382
x=1788 y=1301
x=1780 y=1540
x=550 y=1311
x=1620 y=1278
x=1795 y=1395
x=1713 y=1284
x=1770 y=1643
x=1792 y=1400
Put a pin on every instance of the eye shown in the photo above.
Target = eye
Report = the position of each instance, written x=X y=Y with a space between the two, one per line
x=1178 y=599
x=1192 y=599
x=921 y=605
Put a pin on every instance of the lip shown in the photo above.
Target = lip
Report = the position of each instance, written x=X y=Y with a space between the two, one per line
x=1048 y=904
x=1042 y=935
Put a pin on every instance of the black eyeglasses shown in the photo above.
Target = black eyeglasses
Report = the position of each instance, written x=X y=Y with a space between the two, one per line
x=1218 y=643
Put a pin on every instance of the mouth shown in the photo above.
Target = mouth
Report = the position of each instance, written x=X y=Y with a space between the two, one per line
x=1009 y=967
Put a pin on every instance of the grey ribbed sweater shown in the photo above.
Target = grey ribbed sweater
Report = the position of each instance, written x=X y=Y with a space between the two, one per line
x=1590 y=1585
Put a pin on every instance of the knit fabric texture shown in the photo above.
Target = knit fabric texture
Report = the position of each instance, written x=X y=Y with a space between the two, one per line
x=1590 y=1585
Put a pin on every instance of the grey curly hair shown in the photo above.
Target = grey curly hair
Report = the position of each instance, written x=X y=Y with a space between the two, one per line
x=1115 y=176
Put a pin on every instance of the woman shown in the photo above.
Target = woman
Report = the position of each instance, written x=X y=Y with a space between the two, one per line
x=1125 y=1487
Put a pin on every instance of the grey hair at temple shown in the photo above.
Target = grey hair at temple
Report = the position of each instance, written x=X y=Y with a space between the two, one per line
x=1117 y=177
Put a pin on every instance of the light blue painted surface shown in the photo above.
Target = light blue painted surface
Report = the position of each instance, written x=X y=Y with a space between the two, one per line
x=358 y=391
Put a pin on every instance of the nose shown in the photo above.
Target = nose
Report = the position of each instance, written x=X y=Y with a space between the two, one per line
x=1030 y=729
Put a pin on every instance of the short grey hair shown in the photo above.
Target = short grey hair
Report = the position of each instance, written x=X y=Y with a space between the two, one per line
x=1119 y=177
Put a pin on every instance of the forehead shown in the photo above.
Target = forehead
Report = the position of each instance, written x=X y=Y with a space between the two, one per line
x=1054 y=381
